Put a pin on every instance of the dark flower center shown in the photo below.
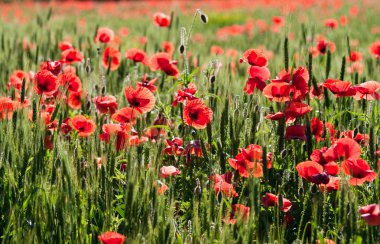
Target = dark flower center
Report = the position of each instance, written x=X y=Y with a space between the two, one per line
x=193 y=116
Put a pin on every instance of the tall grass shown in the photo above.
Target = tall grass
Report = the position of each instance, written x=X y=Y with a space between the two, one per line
x=63 y=196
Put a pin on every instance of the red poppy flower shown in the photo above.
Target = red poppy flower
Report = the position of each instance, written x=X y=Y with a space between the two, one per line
x=154 y=132
x=275 y=116
x=278 y=91
x=239 y=211
x=317 y=92
x=262 y=73
x=74 y=100
x=216 y=50
x=141 y=99
x=194 y=148
x=375 y=49
x=137 y=55
x=104 y=35
x=343 y=20
x=84 y=126
x=270 y=200
x=312 y=172
x=278 y=21
x=160 y=186
x=317 y=128
x=355 y=56
x=161 y=19
x=362 y=139
x=162 y=61
x=185 y=94
x=71 y=81
x=105 y=104
x=45 y=83
x=299 y=81
x=15 y=80
x=136 y=140
x=65 y=126
x=112 y=238
x=150 y=84
x=123 y=31
x=227 y=177
x=225 y=188
x=70 y=56
x=112 y=57
x=325 y=241
x=333 y=185
x=367 y=90
x=340 y=88
x=253 y=83
x=119 y=131
x=297 y=109
x=7 y=107
x=125 y=115
x=174 y=146
x=64 y=45
x=344 y=148
x=255 y=57
x=323 y=46
x=371 y=214
x=197 y=114
x=69 y=69
x=258 y=76
x=168 y=47
x=248 y=161
x=295 y=132
x=167 y=171
x=55 y=67
x=359 y=170
x=331 y=23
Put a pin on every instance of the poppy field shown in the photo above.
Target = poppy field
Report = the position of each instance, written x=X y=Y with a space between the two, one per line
x=190 y=122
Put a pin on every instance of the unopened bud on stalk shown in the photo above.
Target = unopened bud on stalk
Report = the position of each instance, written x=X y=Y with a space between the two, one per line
x=212 y=79
x=88 y=105
x=88 y=66
x=181 y=49
x=182 y=40
x=204 y=17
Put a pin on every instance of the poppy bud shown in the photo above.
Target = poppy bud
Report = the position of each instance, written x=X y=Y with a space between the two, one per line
x=197 y=189
x=212 y=79
x=204 y=17
x=181 y=48
x=88 y=66
x=88 y=105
